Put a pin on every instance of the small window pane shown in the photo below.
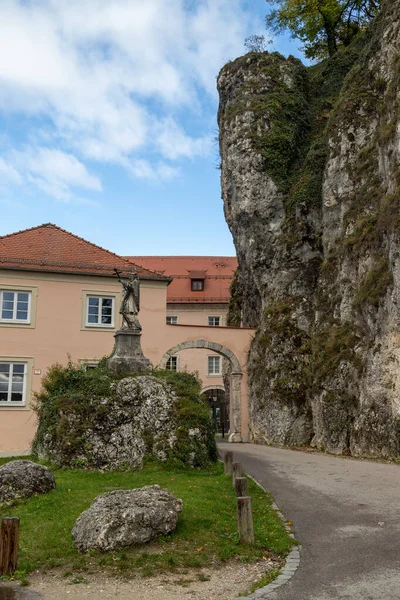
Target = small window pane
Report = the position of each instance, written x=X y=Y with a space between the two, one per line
x=172 y=363
x=12 y=377
x=100 y=310
x=17 y=377
x=214 y=365
x=197 y=285
x=15 y=306
x=213 y=321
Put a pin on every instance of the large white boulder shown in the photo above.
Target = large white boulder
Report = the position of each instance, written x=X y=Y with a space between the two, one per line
x=24 y=478
x=126 y=517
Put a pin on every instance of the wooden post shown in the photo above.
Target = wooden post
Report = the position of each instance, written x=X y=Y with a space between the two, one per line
x=228 y=460
x=245 y=520
x=9 y=532
x=241 y=486
x=236 y=471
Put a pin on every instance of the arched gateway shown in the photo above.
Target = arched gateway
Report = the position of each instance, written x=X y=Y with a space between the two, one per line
x=236 y=375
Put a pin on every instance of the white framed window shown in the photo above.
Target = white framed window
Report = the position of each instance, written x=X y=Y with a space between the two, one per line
x=172 y=363
x=89 y=363
x=100 y=311
x=15 y=306
x=172 y=320
x=13 y=383
x=213 y=365
x=214 y=321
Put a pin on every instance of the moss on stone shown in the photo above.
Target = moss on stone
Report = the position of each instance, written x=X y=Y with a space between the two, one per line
x=234 y=317
x=374 y=285
x=82 y=415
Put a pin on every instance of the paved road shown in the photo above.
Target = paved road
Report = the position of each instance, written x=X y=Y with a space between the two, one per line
x=346 y=515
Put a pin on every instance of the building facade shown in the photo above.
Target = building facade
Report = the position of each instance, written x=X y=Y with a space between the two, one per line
x=59 y=301
x=198 y=294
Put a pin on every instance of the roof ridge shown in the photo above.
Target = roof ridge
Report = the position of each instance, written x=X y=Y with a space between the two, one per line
x=7 y=235
x=78 y=237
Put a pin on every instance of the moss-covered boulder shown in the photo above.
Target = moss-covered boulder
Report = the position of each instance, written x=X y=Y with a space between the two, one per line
x=90 y=419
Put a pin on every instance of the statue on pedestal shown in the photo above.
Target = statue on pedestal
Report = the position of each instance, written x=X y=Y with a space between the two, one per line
x=130 y=304
x=127 y=356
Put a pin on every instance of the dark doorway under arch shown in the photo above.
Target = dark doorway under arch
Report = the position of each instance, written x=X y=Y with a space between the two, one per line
x=216 y=399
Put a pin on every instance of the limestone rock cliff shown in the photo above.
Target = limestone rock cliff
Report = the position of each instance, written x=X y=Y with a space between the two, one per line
x=311 y=190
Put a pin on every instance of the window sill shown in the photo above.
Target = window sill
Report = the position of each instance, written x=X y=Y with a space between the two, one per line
x=214 y=374
x=11 y=406
x=26 y=324
x=98 y=327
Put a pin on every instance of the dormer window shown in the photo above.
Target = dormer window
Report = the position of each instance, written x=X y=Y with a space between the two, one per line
x=197 y=280
x=197 y=285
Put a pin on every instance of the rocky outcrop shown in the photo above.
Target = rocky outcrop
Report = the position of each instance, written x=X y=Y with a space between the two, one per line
x=135 y=418
x=311 y=190
x=24 y=478
x=126 y=517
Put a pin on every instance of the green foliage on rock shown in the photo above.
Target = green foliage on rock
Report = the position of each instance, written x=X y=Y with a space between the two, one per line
x=89 y=418
x=324 y=26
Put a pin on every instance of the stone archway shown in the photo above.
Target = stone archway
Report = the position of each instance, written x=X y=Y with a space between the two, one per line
x=236 y=378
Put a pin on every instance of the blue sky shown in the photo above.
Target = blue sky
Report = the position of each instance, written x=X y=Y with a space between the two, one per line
x=108 y=116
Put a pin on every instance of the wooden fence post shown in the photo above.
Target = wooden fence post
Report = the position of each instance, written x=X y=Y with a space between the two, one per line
x=228 y=460
x=241 y=487
x=245 y=520
x=237 y=471
x=9 y=533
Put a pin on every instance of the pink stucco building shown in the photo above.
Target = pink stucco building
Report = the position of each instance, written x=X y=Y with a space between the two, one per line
x=59 y=298
x=198 y=294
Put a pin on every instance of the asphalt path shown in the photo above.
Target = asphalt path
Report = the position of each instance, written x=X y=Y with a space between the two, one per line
x=345 y=514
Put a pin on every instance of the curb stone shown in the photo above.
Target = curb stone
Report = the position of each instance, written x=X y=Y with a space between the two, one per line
x=290 y=568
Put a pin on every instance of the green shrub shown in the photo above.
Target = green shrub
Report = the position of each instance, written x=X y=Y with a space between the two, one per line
x=80 y=413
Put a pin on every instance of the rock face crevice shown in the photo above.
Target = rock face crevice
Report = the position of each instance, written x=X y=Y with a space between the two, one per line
x=311 y=189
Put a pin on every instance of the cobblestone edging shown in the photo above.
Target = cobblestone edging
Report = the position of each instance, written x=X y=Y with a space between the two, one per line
x=292 y=561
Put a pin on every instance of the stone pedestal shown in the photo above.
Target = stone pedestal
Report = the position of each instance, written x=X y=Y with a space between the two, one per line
x=127 y=356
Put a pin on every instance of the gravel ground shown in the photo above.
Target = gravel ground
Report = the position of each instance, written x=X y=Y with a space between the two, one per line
x=221 y=584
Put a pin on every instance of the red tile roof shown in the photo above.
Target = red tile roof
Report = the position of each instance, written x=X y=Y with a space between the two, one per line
x=52 y=249
x=217 y=270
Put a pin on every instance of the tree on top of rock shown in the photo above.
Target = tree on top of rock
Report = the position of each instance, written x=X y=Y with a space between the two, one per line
x=322 y=25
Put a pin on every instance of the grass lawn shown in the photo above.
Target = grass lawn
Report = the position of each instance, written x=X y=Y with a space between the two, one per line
x=206 y=532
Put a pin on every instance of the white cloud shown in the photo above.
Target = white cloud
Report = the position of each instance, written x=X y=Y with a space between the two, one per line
x=143 y=169
x=8 y=172
x=53 y=171
x=111 y=80
x=173 y=142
